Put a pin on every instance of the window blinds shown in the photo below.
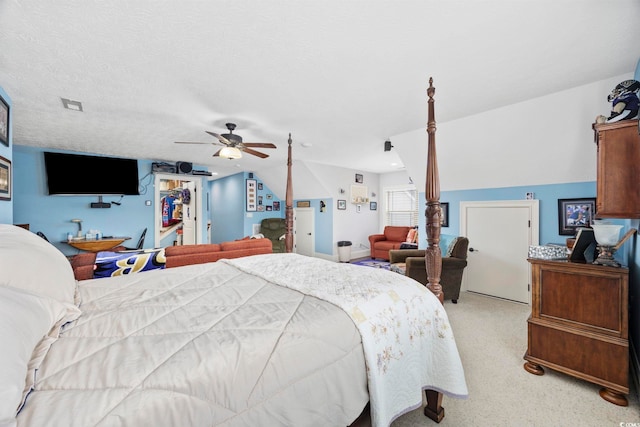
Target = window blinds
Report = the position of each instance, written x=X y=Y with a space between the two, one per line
x=401 y=207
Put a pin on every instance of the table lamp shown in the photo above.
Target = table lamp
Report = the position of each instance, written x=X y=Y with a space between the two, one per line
x=606 y=235
x=79 y=222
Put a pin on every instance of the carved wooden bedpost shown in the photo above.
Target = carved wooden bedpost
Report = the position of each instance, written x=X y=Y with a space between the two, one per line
x=288 y=238
x=433 y=256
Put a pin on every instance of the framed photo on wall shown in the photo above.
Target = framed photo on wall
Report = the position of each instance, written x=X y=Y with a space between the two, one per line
x=444 y=220
x=373 y=206
x=4 y=122
x=359 y=178
x=252 y=196
x=342 y=205
x=5 y=179
x=574 y=214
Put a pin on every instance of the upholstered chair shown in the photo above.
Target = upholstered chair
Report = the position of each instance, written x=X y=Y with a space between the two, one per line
x=274 y=229
x=411 y=263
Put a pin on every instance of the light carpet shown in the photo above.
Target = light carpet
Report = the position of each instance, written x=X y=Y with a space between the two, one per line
x=491 y=335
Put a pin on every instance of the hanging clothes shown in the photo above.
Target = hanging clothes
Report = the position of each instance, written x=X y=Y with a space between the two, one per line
x=167 y=211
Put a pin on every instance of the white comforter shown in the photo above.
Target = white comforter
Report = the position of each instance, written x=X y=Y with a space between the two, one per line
x=228 y=344
x=407 y=339
x=201 y=345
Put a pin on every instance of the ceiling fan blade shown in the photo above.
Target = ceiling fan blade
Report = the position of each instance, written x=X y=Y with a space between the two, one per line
x=217 y=153
x=255 y=153
x=259 y=144
x=220 y=137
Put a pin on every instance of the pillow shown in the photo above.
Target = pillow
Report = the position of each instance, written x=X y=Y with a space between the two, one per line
x=452 y=246
x=411 y=236
x=445 y=240
x=110 y=264
x=29 y=324
x=29 y=262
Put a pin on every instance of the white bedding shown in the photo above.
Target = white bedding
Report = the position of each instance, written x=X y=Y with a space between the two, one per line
x=200 y=345
x=233 y=343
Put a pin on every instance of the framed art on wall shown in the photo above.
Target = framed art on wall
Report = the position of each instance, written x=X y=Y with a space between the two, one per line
x=444 y=220
x=373 y=206
x=4 y=122
x=575 y=213
x=342 y=205
x=252 y=196
x=303 y=204
x=359 y=178
x=5 y=179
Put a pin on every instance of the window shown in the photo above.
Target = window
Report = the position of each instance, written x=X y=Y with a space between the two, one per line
x=401 y=206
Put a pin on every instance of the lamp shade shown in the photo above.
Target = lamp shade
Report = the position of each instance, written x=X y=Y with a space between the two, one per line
x=230 y=153
x=606 y=234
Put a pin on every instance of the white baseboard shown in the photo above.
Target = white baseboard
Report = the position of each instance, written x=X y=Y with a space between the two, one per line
x=360 y=253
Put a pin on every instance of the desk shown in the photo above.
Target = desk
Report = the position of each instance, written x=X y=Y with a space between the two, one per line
x=97 y=245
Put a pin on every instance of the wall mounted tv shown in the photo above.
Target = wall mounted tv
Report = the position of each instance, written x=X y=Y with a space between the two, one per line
x=76 y=174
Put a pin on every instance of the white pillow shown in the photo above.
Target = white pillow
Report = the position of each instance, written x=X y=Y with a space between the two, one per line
x=29 y=262
x=29 y=324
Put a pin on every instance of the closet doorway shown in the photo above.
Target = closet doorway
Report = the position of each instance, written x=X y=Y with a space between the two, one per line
x=177 y=204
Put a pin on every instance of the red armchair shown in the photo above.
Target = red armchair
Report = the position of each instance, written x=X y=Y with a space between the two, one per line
x=392 y=237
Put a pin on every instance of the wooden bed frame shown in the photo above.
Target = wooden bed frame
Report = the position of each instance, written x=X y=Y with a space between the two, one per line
x=433 y=256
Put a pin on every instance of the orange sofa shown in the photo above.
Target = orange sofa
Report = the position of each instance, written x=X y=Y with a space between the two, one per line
x=84 y=264
x=197 y=254
x=391 y=238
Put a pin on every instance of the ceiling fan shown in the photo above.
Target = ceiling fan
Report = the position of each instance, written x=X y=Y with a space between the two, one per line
x=233 y=145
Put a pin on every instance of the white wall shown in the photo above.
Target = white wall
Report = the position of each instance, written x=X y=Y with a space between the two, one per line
x=547 y=140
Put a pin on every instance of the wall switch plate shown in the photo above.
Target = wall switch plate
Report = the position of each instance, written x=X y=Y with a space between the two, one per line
x=147 y=202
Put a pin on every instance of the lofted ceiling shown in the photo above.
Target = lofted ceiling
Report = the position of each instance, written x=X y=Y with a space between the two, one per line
x=341 y=76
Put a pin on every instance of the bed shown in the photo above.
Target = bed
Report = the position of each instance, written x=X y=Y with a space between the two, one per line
x=273 y=339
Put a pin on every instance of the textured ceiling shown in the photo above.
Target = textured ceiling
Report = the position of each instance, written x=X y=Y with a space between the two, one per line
x=341 y=76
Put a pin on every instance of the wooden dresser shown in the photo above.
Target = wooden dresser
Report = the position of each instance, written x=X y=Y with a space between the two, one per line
x=579 y=324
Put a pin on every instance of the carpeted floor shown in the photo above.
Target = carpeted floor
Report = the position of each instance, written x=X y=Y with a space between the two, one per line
x=491 y=335
x=368 y=262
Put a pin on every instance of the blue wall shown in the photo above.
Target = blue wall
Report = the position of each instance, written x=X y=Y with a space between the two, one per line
x=547 y=195
x=6 y=206
x=323 y=227
x=52 y=214
x=229 y=217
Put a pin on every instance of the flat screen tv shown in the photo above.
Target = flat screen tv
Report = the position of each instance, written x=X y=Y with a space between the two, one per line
x=76 y=174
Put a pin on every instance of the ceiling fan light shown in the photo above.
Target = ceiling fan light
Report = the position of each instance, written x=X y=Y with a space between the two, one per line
x=230 y=153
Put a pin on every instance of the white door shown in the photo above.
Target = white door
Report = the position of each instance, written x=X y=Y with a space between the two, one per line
x=303 y=225
x=499 y=237
x=189 y=213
